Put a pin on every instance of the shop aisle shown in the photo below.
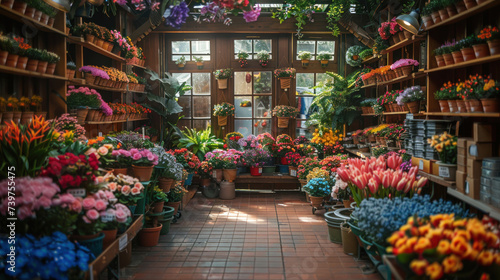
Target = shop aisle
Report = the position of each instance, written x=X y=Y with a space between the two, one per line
x=255 y=236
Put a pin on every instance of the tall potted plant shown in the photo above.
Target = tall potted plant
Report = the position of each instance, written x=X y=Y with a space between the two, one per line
x=285 y=75
x=222 y=111
x=171 y=173
x=304 y=57
x=284 y=114
x=222 y=75
x=231 y=159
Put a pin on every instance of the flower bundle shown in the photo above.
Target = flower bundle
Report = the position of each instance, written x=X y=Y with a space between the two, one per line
x=114 y=74
x=379 y=218
x=177 y=192
x=444 y=246
x=267 y=142
x=205 y=170
x=285 y=73
x=306 y=165
x=283 y=148
x=96 y=72
x=330 y=150
x=250 y=142
x=215 y=158
x=224 y=109
x=263 y=57
x=410 y=94
x=189 y=161
x=489 y=33
x=326 y=137
x=404 y=62
x=284 y=111
x=372 y=178
x=126 y=189
x=143 y=157
x=67 y=123
x=305 y=150
x=242 y=58
x=446 y=146
x=293 y=158
x=385 y=30
x=331 y=163
x=104 y=153
x=83 y=97
x=231 y=140
x=221 y=74
x=318 y=187
x=254 y=157
x=231 y=159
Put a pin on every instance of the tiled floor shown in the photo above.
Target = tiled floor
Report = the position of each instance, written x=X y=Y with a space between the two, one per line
x=255 y=236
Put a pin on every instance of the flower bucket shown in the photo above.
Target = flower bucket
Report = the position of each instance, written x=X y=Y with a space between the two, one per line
x=222 y=83
x=283 y=169
x=149 y=237
x=490 y=105
x=93 y=244
x=165 y=184
x=283 y=122
x=12 y=60
x=174 y=205
x=143 y=173
x=305 y=62
x=81 y=115
x=230 y=174
x=453 y=106
x=109 y=237
x=165 y=225
x=222 y=120
x=447 y=171
x=334 y=222
x=285 y=83
x=268 y=169
x=481 y=50
x=256 y=171
x=189 y=179
x=316 y=201
x=443 y=105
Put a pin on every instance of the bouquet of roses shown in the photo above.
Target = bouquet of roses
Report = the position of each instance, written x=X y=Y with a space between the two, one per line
x=128 y=190
x=189 y=161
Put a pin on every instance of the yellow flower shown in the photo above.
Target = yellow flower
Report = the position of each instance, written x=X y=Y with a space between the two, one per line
x=419 y=266
x=452 y=264
x=434 y=271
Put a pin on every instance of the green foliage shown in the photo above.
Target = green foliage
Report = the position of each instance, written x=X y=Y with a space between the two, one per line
x=181 y=60
x=366 y=53
x=380 y=44
x=82 y=100
x=303 y=55
x=353 y=57
x=199 y=142
x=301 y=10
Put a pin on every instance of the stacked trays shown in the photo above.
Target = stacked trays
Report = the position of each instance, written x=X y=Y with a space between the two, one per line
x=490 y=182
x=421 y=130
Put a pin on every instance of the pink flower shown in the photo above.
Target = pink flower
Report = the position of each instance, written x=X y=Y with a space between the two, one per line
x=67 y=198
x=121 y=216
x=76 y=206
x=88 y=203
x=86 y=220
x=102 y=151
x=135 y=191
x=112 y=186
x=100 y=205
x=139 y=186
x=136 y=156
x=92 y=214
x=56 y=201
x=126 y=190
x=24 y=212
x=44 y=202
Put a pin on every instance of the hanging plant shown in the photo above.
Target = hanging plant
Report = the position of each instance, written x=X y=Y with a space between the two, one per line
x=352 y=55
x=301 y=10
x=242 y=58
x=263 y=57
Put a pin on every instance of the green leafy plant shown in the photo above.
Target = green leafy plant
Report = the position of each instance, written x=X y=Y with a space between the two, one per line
x=199 y=142
x=157 y=195
x=301 y=10
x=181 y=61
x=198 y=58
x=366 y=53
x=242 y=55
x=71 y=65
x=324 y=56
x=303 y=55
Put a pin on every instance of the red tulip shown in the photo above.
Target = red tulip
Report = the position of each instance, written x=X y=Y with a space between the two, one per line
x=373 y=185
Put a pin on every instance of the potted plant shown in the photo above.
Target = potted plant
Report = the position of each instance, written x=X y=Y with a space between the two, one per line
x=116 y=217
x=405 y=66
x=170 y=171
x=231 y=159
x=456 y=53
x=293 y=159
x=175 y=196
x=242 y=58
x=70 y=70
x=23 y=53
x=24 y=106
x=149 y=235
x=181 y=62
x=284 y=113
x=492 y=37
x=199 y=62
x=255 y=159
x=481 y=48
x=205 y=173
x=466 y=49
x=438 y=55
x=52 y=60
x=36 y=105
x=12 y=48
x=284 y=145
x=222 y=111
x=325 y=58
x=446 y=146
x=126 y=189
x=215 y=159
x=488 y=95
x=222 y=75
x=411 y=98
x=304 y=57
x=442 y=96
x=143 y=161
x=469 y=4
x=82 y=99
x=317 y=188
x=446 y=49
x=45 y=57
x=263 y=57
x=157 y=198
x=285 y=75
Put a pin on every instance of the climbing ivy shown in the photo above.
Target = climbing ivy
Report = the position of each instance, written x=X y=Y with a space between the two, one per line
x=301 y=10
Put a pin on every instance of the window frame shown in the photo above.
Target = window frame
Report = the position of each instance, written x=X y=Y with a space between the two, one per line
x=253 y=53
x=190 y=54
x=315 y=65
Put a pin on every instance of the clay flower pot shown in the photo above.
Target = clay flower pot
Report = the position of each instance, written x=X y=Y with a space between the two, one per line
x=457 y=57
x=468 y=54
x=51 y=68
x=149 y=237
x=3 y=57
x=436 y=17
x=230 y=174
x=467 y=106
x=461 y=106
x=117 y=171
x=453 y=106
x=490 y=105
x=42 y=67
x=443 y=14
x=158 y=207
x=452 y=10
x=494 y=46
x=143 y=173
x=165 y=184
x=444 y=106
x=8 y=3
x=316 y=201
x=19 y=6
x=448 y=59
x=32 y=65
x=481 y=50
x=12 y=60
x=427 y=20
x=470 y=3
x=30 y=12
x=21 y=62
x=174 y=205
x=475 y=106
x=440 y=61
x=26 y=117
x=460 y=6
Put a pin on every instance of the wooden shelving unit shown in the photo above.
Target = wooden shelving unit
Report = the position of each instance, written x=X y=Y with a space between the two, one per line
x=371 y=59
x=134 y=120
x=138 y=66
x=80 y=82
x=10 y=13
x=403 y=43
x=106 y=122
x=437 y=179
x=477 y=61
x=133 y=91
x=480 y=115
x=486 y=208
x=80 y=41
x=26 y=73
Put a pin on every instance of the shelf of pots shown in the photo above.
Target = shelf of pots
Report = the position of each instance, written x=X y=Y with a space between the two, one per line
x=28 y=14
x=91 y=46
x=403 y=43
x=477 y=61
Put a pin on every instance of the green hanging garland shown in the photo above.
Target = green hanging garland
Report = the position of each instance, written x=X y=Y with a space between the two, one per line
x=352 y=56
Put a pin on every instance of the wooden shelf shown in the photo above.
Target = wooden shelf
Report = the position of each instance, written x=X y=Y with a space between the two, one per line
x=80 y=41
x=106 y=122
x=359 y=154
x=488 y=209
x=143 y=119
x=138 y=66
x=468 y=13
x=412 y=76
x=403 y=43
x=81 y=82
x=395 y=113
x=373 y=58
x=464 y=64
x=438 y=180
x=370 y=86
x=484 y=115
x=23 y=19
x=16 y=71
x=143 y=92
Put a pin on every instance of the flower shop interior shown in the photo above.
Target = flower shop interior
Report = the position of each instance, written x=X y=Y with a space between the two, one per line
x=249 y=139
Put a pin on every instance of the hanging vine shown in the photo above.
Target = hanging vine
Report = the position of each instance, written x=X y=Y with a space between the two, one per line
x=301 y=10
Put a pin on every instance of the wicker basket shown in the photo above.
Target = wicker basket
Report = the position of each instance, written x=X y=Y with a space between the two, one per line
x=285 y=83
x=283 y=122
x=222 y=121
x=222 y=83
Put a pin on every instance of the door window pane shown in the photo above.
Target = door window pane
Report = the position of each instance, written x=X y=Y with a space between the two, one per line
x=243 y=126
x=184 y=123
x=306 y=46
x=200 y=47
x=201 y=83
x=180 y=47
x=326 y=46
x=263 y=82
x=185 y=103
x=241 y=87
x=261 y=126
x=262 y=106
x=305 y=83
x=190 y=48
x=183 y=78
x=201 y=106
x=302 y=130
x=322 y=79
x=201 y=124
x=243 y=107
x=262 y=45
x=252 y=47
x=243 y=45
x=303 y=103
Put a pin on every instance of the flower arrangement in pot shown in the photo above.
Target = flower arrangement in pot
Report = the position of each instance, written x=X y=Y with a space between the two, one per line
x=222 y=111
x=70 y=70
x=199 y=62
x=231 y=140
x=443 y=95
x=36 y=105
x=186 y=158
x=126 y=189
x=157 y=198
x=285 y=75
x=243 y=58
x=222 y=75
x=341 y=191
x=170 y=169
x=181 y=62
x=446 y=146
x=143 y=161
x=306 y=165
x=480 y=47
x=317 y=188
x=489 y=94
x=121 y=161
x=293 y=159
x=284 y=114
x=411 y=98
x=175 y=196
x=215 y=159
x=465 y=46
x=305 y=57
x=263 y=57
x=492 y=37
x=325 y=58
x=405 y=66
x=205 y=173
x=255 y=159
x=284 y=144
x=82 y=99
x=231 y=159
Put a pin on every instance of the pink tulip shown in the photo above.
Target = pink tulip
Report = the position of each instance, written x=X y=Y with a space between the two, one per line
x=342 y=172
x=401 y=184
x=357 y=181
x=373 y=185
x=421 y=182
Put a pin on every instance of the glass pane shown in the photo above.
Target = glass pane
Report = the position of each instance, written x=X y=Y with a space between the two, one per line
x=263 y=45
x=184 y=123
x=302 y=130
x=241 y=87
x=175 y=57
x=185 y=103
x=305 y=83
x=201 y=107
x=261 y=126
x=305 y=46
x=326 y=46
x=183 y=77
x=204 y=57
x=200 y=47
x=242 y=45
x=201 y=124
x=262 y=106
x=180 y=47
x=243 y=107
x=303 y=103
x=201 y=83
x=263 y=82
x=322 y=79
x=243 y=126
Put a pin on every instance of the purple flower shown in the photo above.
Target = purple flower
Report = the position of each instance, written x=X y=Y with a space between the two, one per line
x=177 y=16
x=95 y=72
x=252 y=15
x=121 y=2
x=404 y=62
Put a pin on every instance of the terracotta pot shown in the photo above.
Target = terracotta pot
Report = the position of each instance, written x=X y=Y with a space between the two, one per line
x=316 y=201
x=3 y=57
x=460 y=6
x=89 y=38
x=109 y=237
x=388 y=108
x=479 y=2
x=123 y=171
x=19 y=6
x=481 y=50
x=443 y=14
x=427 y=20
x=305 y=62
x=89 y=79
x=7 y=117
x=443 y=104
x=158 y=207
x=42 y=67
x=143 y=173
x=475 y=106
x=467 y=106
x=470 y=3
x=51 y=68
x=83 y=237
x=81 y=115
x=461 y=106
x=38 y=15
x=70 y=74
x=174 y=205
x=413 y=107
x=401 y=35
x=16 y=118
x=205 y=182
x=99 y=42
x=51 y=22
x=436 y=17
x=32 y=65
x=165 y=184
x=217 y=174
x=44 y=18
x=494 y=46
x=457 y=57
x=30 y=12
x=12 y=60
x=149 y=237
x=468 y=54
x=26 y=117
x=440 y=60
x=21 y=62
x=452 y=11
x=490 y=105
x=407 y=70
x=230 y=174
x=448 y=59
x=453 y=106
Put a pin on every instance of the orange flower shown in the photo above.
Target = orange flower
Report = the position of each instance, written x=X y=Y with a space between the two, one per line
x=419 y=266
x=434 y=236
x=485 y=258
x=452 y=264
x=460 y=247
x=496 y=257
x=424 y=229
x=443 y=247
x=422 y=245
x=491 y=238
x=476 y=229
x=434 y=271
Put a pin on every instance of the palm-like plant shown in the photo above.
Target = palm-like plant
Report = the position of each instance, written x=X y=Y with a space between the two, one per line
x=199 y=142
x=336 y=104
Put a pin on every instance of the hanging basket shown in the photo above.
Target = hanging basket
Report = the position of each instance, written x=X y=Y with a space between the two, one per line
x=285 y=83
x=222 y=121
x=283 y=122
x=222 y=83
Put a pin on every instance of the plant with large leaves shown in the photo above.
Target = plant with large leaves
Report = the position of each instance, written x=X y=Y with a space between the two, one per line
x=336 y=104
x=165 y=105
x=199 y=142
